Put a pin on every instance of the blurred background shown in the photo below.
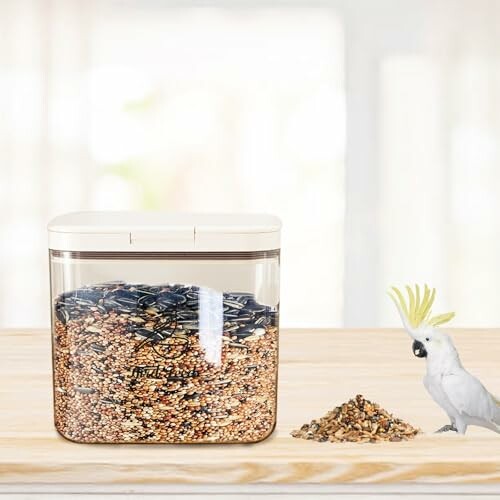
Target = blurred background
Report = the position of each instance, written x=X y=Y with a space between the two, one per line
x=372 y=128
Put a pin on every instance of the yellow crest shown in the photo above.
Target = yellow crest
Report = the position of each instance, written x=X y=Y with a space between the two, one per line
x=418 y=310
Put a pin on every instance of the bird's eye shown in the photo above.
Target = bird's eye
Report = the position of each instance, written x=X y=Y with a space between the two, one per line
x=427 y=339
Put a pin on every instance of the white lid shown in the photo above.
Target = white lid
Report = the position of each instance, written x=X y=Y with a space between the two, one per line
x=163 y=232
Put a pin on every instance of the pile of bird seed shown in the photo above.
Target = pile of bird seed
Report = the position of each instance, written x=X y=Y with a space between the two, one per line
x=357 y=421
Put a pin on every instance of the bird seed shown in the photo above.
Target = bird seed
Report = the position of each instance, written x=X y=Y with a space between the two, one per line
x=357 y=421
x=132 y=365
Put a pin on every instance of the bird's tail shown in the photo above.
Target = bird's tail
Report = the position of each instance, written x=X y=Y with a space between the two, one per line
x=496 y=418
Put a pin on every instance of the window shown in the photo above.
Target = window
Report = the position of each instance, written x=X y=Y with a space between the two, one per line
x=371 y=128
x=191 y=108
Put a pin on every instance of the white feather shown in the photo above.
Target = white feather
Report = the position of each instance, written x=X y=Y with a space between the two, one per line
x=469 y=396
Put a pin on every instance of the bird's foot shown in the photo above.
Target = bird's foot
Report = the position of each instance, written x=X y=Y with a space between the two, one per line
x=447 y=428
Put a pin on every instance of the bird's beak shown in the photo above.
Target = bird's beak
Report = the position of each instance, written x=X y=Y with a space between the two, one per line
x=419 y=349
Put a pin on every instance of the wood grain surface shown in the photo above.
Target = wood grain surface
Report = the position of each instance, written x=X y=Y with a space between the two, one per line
x=319 y=369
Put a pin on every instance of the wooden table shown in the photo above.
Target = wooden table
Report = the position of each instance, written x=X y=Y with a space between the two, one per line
x=319 y=369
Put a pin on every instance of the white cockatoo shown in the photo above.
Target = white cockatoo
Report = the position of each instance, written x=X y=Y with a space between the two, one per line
x=461 y=395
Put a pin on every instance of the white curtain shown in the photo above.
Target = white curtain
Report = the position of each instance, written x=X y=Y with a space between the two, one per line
x=440 y=162
x=371 y=128
x=44 y=162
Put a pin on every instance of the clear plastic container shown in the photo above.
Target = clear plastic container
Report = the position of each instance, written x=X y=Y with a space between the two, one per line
x=164 y=327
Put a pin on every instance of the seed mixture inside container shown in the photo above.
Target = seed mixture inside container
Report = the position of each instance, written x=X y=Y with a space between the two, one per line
x=166 y=363
x=357 y=421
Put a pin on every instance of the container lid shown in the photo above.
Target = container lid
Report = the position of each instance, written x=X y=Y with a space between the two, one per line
x=163 y=232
